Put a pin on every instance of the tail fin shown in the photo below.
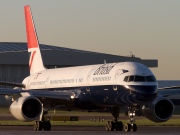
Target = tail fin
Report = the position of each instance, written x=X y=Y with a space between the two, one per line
x=35 y=59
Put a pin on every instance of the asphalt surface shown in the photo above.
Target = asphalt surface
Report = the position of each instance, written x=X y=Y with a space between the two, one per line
x=27 y=130
x=73 y=130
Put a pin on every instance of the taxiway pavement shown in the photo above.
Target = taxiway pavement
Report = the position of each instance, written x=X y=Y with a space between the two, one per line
x=67 y=130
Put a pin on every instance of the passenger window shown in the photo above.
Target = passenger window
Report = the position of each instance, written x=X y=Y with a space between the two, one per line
x=126 y=78
x=139 y=78
x=131 y=78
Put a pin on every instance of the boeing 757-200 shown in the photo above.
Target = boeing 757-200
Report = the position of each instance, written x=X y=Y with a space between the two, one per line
x=108 y=85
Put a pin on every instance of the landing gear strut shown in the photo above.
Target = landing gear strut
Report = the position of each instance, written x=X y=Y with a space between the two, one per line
x=131 y=126
x=43 y=124
x=115 y=124
x=118 y=125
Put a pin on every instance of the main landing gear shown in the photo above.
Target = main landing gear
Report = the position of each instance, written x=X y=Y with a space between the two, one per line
x=115 y=124
x=43 y=124
x=118 y=125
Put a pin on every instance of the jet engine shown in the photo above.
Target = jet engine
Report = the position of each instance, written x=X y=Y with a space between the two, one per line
x=160 y=110
x=26 y=108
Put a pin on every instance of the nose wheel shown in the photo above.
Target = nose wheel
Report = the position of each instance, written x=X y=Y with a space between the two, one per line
x=131 y=126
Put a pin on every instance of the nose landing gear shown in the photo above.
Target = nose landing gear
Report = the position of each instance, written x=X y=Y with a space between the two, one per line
x=131 y=126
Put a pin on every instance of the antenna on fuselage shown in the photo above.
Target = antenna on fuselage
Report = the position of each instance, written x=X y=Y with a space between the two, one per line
x=132 y=55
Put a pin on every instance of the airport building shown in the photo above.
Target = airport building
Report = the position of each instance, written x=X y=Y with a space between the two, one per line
x=14 y=59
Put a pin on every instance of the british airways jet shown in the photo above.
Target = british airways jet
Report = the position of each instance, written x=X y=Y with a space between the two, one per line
x=110 y=85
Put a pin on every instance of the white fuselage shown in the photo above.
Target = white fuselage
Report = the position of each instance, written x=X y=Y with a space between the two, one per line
x=91 y=75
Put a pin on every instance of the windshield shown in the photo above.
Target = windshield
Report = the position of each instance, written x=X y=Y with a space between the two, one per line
x=138 y=78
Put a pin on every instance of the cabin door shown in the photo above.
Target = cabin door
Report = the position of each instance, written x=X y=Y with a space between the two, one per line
x=118 y=72
x=88 y=80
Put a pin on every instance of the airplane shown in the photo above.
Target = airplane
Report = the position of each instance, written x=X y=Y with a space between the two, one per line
x=108 y=85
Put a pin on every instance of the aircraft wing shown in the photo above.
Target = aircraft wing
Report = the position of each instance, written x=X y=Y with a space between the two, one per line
x=169 y=92
x=172 y=94
x=57 y=95
x=14 y=84
x=171 y=87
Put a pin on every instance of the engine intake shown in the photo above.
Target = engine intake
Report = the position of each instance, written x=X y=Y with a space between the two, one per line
x=27 y=108
x=160 y=110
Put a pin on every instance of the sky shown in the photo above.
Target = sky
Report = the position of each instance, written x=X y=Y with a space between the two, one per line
x=150 y=29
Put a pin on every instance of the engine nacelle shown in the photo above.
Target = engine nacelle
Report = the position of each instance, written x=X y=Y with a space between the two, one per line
x=160 y=110
x=26 y=108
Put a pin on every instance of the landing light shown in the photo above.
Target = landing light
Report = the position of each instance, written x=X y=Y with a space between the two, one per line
x=127 y=86
x=132 y=114
x=72 y=97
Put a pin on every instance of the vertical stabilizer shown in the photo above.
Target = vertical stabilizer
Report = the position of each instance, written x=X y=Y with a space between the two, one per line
x=35 y=59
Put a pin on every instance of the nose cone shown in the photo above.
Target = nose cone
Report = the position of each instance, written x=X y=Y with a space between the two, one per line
x=143 y=89
x=143 y=94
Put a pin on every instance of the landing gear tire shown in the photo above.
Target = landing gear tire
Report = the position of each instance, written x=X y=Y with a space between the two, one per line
x=107 y=126
x=45 y=125
x=35 y=126
x=111 y=126
x=134 y=127
x=130 y=127
x=115 y=124
x=38 y=126
x=119 y=126
x=127 y=127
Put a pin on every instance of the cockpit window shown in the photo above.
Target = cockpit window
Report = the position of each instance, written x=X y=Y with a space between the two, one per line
x=131 y=78
x=139 y=78
x=126 y=78
x=150 y=78
x=125 y=71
